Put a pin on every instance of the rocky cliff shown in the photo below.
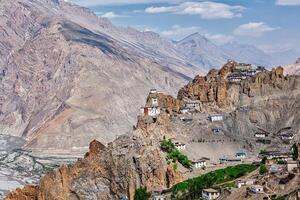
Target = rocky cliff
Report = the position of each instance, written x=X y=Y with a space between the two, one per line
x=215 y=90
x=131 y=161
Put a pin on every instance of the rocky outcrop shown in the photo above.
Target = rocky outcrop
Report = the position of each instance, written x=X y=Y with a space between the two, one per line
x=211 y=89
x=110 y=172
x=27 y=193
x=215 y=91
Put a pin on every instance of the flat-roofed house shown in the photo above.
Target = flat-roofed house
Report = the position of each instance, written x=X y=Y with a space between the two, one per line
x=257 y=189
x=292 y=165
x=240 y=155
x=200 y=163
x=248 y=182
x=287 y=137
x=180 y=146
x=150 y=111
x=210 y=194
x=216 y=117
x=261 y=135
x=192 y=105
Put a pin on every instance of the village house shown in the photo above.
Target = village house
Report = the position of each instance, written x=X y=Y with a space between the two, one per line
x=257 y=189
x=243 y=67
x=153 y=91
x=260 y=69
x=261 y=135
x=216 y=117
x=200 y=163
x=274 y=169
x=248 y=182
x=217 y=131
x=180 y=146
x=150 y=111
x=210 y=194
x=184 y=110
x=229 y=160
x=287 y=137
x=158 y=197
x=192 y=105
x=292 y=165
x=276 y=155
x=241 y=155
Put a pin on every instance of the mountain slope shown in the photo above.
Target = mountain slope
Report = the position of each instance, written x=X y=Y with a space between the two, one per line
x=67 y=80
x=247 y=54
x=201 y=52
x=293 y=68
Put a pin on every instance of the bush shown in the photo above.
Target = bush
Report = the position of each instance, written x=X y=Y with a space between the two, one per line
x=141 y=194
x=263 y=160
x=262 y=169
x=174 y=154
x=295 y=152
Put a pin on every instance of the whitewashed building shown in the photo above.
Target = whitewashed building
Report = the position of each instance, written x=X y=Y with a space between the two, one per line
x=150 y=111
x=199 y=163
x=248 y=182
x=241 y=155
x=257 y=189
x=158 y=197
x=292 y=165
x=180 y=146
x=260 y=135
x=216 y=117
x=210 y=194
x=192 y=105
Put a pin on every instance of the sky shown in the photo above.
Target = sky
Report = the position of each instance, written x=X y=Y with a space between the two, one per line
x=271 y=25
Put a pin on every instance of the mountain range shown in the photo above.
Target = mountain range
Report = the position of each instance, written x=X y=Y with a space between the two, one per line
x=68 y=77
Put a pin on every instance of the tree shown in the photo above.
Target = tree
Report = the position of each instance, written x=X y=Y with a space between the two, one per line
x=263 y=169
x=141 y=194
x=295 y=152
x=263 y=160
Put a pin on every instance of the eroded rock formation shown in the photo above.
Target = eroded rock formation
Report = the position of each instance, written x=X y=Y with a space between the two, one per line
x=110 y=172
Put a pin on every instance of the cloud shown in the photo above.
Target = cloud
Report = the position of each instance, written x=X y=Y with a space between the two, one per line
x=288 y=2
x=206 y=10
x=253 y=29
x=118 y=2
x=111 y=15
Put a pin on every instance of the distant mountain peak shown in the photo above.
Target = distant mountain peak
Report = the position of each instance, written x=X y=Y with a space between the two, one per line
x=194 y=36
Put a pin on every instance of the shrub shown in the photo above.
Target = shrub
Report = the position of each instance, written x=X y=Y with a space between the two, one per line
x=141 y=194
x=174 y=154
x=262 y=169
x=295 y=152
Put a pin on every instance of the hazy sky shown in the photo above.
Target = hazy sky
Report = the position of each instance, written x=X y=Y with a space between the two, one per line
x=269 y=24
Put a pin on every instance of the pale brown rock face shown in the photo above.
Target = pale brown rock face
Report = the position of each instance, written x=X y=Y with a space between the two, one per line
x=215 y=90
x=109 y=172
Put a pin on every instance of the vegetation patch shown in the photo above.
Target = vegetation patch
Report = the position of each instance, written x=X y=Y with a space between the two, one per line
x=174 y=154
x=141 y=194
x=192 y=188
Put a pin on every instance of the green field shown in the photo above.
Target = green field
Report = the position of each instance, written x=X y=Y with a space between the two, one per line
x=192 y=188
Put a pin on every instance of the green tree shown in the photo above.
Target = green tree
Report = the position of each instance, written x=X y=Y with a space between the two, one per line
x=295 y=152
x=263 y=169
x=141 y=194
x=263 y=160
